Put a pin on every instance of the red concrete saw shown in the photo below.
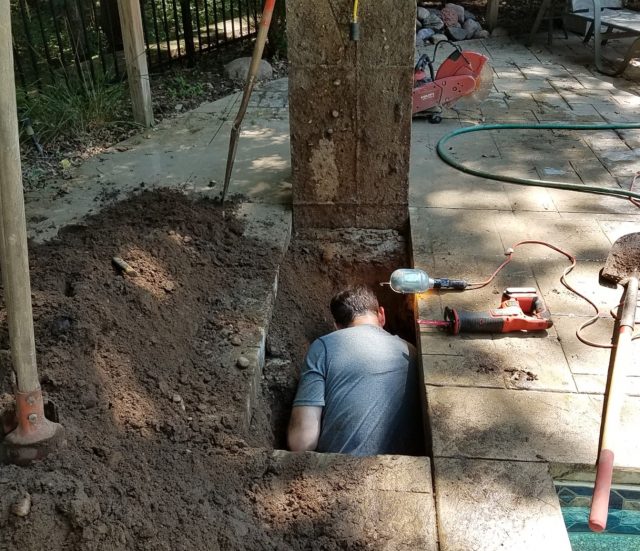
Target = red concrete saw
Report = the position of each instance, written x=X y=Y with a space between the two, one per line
x=464 y=74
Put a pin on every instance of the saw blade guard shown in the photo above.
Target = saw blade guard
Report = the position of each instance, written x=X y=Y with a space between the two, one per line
x=471 y=64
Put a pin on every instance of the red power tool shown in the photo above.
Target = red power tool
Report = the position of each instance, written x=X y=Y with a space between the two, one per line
x=463 y=73
x=521 y=309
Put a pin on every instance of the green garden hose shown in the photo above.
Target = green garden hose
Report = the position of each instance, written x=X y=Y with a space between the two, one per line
x=448 y=158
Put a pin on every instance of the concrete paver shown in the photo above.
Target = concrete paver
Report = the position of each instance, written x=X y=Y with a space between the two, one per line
x=509 y=362
x=520 y=425
x=497 y=505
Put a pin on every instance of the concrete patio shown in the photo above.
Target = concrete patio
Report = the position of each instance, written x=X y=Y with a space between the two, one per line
x=498 y=437
x=494 y=431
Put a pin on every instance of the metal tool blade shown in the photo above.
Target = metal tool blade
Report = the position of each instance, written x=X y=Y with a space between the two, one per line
x=624 y=259
x=484 y=86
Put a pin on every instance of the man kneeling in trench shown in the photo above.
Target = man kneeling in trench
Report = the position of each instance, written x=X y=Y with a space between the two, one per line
x=358 y=389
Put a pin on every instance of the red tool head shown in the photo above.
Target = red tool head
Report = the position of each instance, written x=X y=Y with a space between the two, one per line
x=468 y=64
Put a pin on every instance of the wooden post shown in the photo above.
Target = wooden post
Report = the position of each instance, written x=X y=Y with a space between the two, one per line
x=136 y=59
x=492 y=14
x=14 y=257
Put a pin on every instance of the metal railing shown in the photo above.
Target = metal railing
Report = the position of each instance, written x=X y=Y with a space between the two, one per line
x=66 y=39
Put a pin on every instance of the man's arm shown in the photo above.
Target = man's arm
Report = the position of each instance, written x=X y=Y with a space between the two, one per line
x=304 y=428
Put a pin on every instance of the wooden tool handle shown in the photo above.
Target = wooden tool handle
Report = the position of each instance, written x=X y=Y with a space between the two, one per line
x=613 y=399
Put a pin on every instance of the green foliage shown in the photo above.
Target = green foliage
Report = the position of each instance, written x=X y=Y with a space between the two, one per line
x=73 y=110
x=179 y=88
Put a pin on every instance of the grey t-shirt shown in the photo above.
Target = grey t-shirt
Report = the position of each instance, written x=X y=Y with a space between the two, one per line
x=365 y=379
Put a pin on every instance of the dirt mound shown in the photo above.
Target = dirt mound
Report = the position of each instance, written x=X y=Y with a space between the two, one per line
x=139 y=370
x=144 y=375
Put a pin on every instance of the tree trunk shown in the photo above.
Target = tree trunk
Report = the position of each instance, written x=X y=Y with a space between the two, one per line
x=76 y=29
x=277 y=45
x=110 y=23
x=187 y=27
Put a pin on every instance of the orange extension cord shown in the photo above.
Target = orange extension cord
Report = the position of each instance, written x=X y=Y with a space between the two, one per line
x=563 y=279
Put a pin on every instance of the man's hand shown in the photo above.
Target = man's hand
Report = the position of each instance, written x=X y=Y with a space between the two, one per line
x=304 y=428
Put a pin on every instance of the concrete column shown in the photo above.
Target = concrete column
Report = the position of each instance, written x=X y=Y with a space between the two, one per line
x=350 y=112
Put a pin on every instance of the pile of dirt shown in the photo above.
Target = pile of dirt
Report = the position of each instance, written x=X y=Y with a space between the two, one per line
x=157 y=456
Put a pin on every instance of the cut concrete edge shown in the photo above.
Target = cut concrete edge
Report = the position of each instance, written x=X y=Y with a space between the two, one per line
x=257 y=355
x=272 y=224
x=387 y=495
x=412 y=473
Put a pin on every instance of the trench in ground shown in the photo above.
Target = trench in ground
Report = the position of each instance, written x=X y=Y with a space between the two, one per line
x=318 y=264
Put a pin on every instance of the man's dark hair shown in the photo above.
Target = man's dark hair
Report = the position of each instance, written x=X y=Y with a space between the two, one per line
x=352 y=302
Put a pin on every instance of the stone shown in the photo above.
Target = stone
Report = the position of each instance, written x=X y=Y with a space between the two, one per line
x=422 y=14
x=239 y=68
x=243 y=363
x=61 y=325
x=472 y=27
x=22 y=506
x=438 y=37
x=236 y=340
x=482 y=33
x=457 y=9
x=434 y=22
x=89 y=398
x=418 y=25
x=469 y=15
x=329 y=252
x=456 y=33
x=450 y=17
x=423 y=35
x=169 y=286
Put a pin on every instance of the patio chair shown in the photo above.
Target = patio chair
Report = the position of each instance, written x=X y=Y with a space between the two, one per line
x=611 y=14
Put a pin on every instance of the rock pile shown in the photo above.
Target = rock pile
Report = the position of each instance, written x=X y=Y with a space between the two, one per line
x=452 y=22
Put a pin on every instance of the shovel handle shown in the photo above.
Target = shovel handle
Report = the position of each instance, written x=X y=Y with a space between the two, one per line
x=613 y=399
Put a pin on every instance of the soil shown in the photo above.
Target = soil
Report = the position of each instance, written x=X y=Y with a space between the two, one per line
x=318 y=264
x=157 y=456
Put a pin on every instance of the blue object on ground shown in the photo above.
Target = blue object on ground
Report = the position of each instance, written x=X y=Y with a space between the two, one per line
x=622 y=534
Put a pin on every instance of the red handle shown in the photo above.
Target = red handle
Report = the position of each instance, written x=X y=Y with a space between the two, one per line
x=612 y=408
x=601 y=491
